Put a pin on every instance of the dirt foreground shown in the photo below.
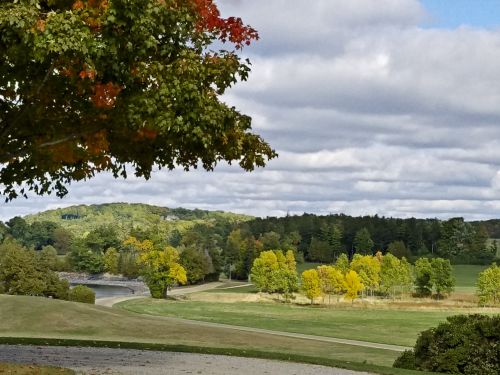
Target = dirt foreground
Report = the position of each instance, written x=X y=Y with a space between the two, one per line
x=100 y=361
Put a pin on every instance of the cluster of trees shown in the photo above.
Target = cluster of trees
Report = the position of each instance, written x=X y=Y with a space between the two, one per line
x=465 y=344
x=26 y=272
x=275 y=272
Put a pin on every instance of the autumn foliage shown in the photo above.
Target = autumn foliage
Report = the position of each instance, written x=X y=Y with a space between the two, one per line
x=95 y=85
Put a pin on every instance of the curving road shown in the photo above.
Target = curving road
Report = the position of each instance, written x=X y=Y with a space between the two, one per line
x=100 y=361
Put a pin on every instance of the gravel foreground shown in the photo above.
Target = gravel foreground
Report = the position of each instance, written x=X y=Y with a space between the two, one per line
x=132 y=362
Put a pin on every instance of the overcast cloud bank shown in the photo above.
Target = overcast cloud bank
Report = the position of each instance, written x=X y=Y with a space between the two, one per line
x=371 y=113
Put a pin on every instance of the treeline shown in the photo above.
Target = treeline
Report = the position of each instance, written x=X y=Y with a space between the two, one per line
x=325 y=238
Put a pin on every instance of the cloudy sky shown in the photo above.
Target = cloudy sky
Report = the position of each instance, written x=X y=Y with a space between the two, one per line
x=388 y=107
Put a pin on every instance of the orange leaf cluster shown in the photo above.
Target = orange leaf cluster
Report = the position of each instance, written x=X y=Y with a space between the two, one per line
x=63 y=153
x=40 y=25
x=97 y=143
x=231 y=28
x=105 y=95
x=146 y=133
x=79 y=4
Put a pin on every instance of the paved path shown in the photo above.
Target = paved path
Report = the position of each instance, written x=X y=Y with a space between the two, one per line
x=99 y=361
x=110 y=301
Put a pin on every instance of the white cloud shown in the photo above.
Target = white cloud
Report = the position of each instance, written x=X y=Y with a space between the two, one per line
x=370 y=113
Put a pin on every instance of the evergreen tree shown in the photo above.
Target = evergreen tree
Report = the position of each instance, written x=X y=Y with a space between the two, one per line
x=363 y=243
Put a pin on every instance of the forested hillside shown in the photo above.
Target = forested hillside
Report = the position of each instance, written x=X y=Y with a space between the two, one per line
x=124 y=217
x=94 y=238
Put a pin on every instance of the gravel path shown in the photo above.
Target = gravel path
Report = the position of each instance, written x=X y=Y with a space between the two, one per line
x=100 y=361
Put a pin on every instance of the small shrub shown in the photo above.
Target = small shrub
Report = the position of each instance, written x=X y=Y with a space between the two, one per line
x=82 y=293
x=406 y=360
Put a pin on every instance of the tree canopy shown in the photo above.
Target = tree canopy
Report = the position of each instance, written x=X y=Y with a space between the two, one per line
x=95 y=85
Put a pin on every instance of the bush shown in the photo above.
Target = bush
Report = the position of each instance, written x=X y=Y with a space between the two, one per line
x=463 y=345
x=82 y=293
x=406 y=360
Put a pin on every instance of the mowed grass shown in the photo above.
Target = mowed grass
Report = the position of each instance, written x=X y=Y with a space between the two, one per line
x=15 y=369
x=301 y=267
x=45 y=318
x=466 y=277
x=398 y=327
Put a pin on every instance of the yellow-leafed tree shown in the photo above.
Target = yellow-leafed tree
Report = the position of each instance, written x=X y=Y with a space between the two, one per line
x=310 y=284
x=352 y=285
x=160 y=268
x=331 y=280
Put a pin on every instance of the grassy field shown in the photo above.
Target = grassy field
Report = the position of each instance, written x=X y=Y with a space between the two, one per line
x=14 y=369
x=466 y=277
x=350 y=323
x=44 y=318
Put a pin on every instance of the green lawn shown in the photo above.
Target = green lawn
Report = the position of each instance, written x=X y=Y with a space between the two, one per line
x=45 y=318
x=301 y=267
x=359 y=324
x=466 y=277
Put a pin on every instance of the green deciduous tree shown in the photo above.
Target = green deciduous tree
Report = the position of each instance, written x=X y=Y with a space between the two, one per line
x=47 y=257
x=395 y=274
x=93 y=85
x=442 y=276
x=195 y=263
x=22 y=273
x=423 y=277
x=83 y=259
x=488 y=285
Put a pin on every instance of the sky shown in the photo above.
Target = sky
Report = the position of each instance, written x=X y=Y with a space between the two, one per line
x=388 y=107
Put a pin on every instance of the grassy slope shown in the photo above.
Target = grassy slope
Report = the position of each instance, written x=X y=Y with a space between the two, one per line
x=15 y=369
x=40 y=317
x=359 y=324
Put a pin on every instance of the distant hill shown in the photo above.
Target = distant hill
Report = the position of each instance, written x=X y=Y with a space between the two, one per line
x=125 y=216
